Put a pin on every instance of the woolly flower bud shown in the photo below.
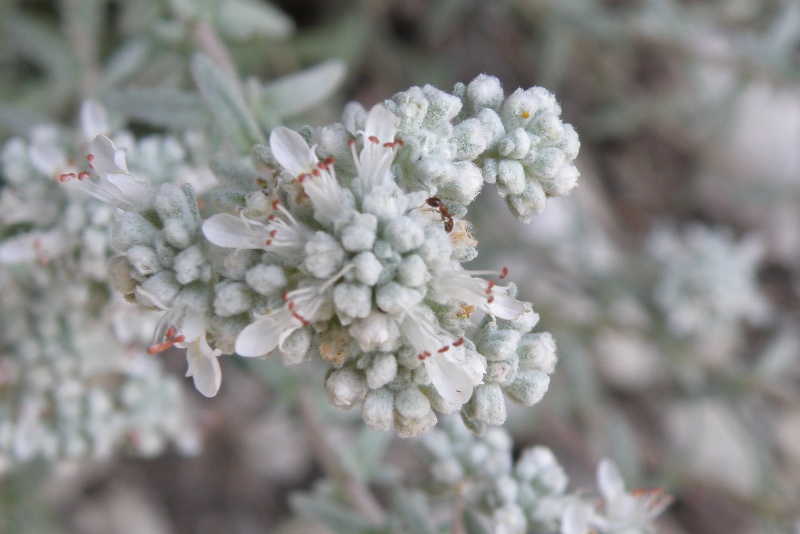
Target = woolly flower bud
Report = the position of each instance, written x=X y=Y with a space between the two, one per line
x=487 y=405
x=346 y=387
x=538 y=351
x=367 y=268
x=295 y=348
x=267 y=280
x=483 y=92
x=509 y=520
x=232 y=298
x=132 y=229
x=360 y=233
x=190 y=265
x=376 y=332
x=143 y=259
x=382 y=370
x=529 y=387
x=540 y=465
x=324 y=255
x=378 y=409
x=404 y=234
x=413 y=414
x=352 y=301
x=497 y=344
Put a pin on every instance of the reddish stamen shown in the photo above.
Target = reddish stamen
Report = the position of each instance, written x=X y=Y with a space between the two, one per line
x=503 y=272
x=83 y=175
x=458 y=342
x=444 y=349
x=374 y=139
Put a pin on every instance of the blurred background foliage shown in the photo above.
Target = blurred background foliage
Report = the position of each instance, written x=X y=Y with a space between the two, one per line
x=689 y=116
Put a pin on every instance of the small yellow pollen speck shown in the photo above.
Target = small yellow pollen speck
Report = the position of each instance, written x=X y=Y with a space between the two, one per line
x=526 y=114
x=465 y=311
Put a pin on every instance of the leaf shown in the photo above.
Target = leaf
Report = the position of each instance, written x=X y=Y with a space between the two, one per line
x=170 y=108
x=411 y=510
x=300 y=91
x=240 y=20
x=234 y=174
x=226 y=104
x=473 y=523
x=340 y=518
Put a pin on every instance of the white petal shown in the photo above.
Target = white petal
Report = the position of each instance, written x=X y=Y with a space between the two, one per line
x=19 y=249
x=609 y=481
x=262 y=336
x=506 y=307
x=204 y=367
x=131 y=190
x=382 y=124
x=108 y=159
x=449 y=378
x=292 y=151
x=94 y=120
x=229 y=231
x=575 y=519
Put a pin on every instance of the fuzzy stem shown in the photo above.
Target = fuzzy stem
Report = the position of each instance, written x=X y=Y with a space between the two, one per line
x=358 y=494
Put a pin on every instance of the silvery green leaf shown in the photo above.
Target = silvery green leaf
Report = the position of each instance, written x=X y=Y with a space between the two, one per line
x=411 y=510
x=242 y=19
x=233 y=174
x=228 y=201
x=161 y=107
x=40 y=44
x=125 y=61
x=473 y=523
x=365 y=459
x=340 y=518
x=297 y=92
x=226 y=103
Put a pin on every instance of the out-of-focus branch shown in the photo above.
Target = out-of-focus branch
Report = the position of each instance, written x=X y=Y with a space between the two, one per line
x=359 y=495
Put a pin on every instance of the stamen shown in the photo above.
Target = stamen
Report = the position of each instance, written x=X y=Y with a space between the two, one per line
x=443 y=349
x=374 y=139
x=526 y=114
x=458 y=342
x=503 y=272
x=83 y=175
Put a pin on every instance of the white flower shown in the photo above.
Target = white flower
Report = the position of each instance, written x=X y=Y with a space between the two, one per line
x=285 y=235
x=204 y=366
x=621 y=512
x=115 y=184
x=303 y=306
x=318 y=178
x=437 y=349
x=202 y=361
x=376 y=155
x=493 y=299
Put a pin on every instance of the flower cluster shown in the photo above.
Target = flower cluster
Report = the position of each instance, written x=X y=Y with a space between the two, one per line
x=707 y=279
x=73 y=379
x=529 y=495
x=518 y=143
x=339 y=251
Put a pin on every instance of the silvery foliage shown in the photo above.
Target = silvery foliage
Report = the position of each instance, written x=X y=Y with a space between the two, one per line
x=349 y=251
x=74 y=379
x=529 y=494
x=708 y=279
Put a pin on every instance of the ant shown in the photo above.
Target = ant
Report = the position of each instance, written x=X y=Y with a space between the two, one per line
x=437 y=204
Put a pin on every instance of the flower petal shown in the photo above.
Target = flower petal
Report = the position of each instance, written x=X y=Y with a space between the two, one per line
x=94 y=120
x=506 y=307
x=449 y=378
x=107 y=158
x=229 y=231
x=204 y=367
x=381 y=123
x=292 y=151
x=262 y=336
x=609 y=481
